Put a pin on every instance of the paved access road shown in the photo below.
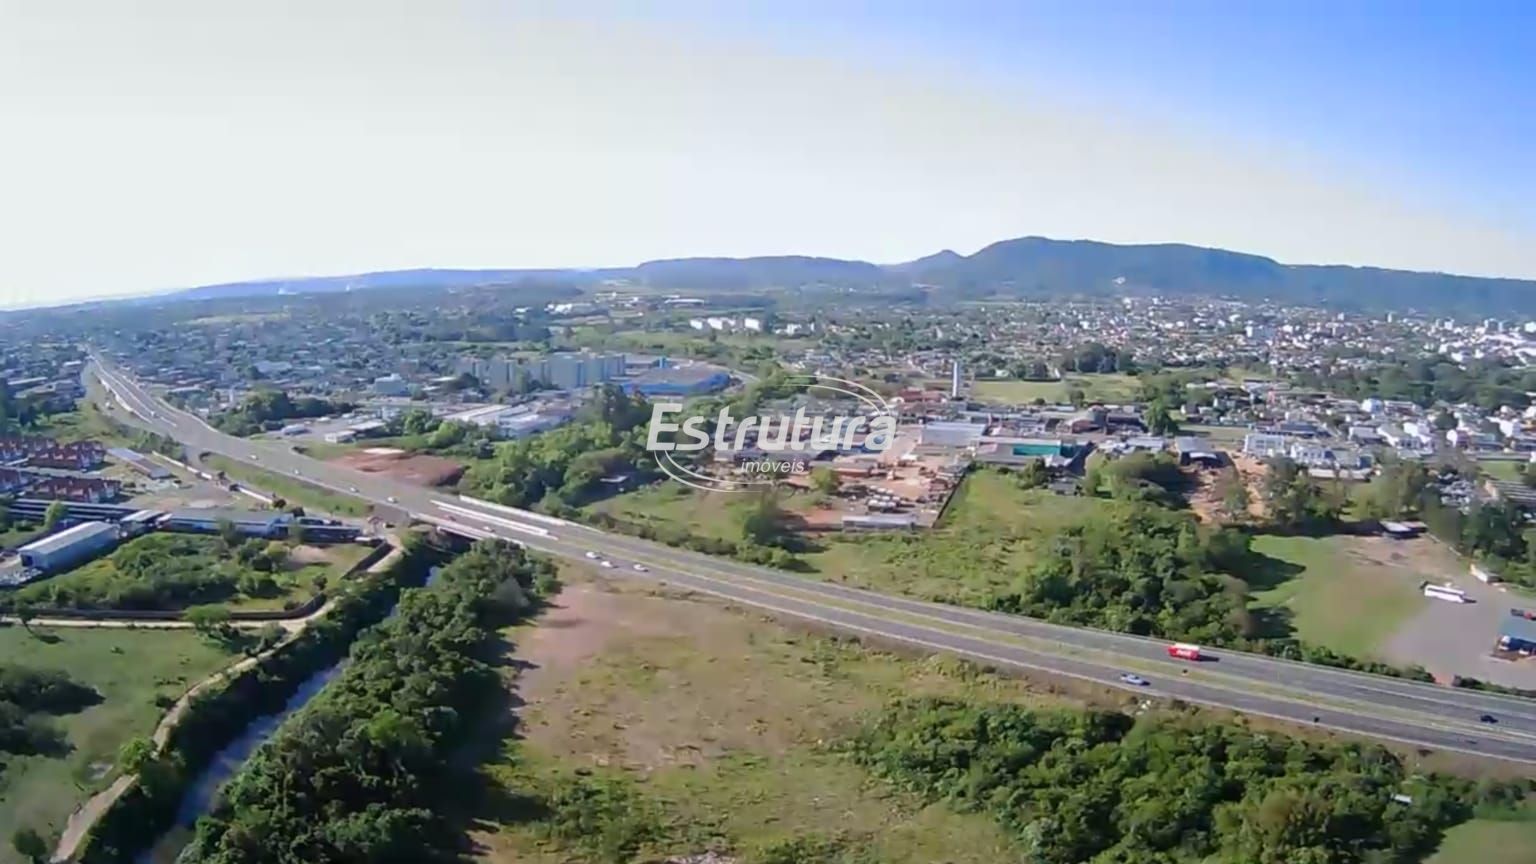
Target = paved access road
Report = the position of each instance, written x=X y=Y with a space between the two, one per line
x=1421 y=714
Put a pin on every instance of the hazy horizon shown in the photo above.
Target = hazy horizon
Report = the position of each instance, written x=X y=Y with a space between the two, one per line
x=190 y=145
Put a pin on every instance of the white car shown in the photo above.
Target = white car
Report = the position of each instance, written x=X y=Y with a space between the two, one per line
x=606 y=563
x=642 y=568
x=592 y=555
x=295 y=472
x=1135 y=680
x=392 y=499
x=351 y=488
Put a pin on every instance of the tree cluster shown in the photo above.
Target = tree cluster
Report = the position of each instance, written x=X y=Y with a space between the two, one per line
x=1297 y=502
x=562 y=467
x=266 y=410
x=360 y=773
x=1139 y=569
x=1077 y=787
x=163 y=571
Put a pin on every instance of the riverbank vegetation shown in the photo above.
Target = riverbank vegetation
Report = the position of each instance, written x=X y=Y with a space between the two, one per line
x=218 y=715
x=359 y=773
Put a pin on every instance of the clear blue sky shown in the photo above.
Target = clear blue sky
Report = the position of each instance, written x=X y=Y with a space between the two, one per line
x=1441 y=94
x=180 y=142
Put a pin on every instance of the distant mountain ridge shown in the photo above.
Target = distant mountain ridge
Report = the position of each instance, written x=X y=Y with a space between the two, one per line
x=1023 y=267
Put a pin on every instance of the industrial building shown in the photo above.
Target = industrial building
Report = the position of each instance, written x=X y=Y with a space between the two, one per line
x=563 y=371
x=252 y=523
x=139 y=462
x=69 y=547
x=950 y=433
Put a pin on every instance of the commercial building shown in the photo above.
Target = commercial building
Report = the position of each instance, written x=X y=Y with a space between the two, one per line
x=946 y=433
x=680 y=381
x=69 y=547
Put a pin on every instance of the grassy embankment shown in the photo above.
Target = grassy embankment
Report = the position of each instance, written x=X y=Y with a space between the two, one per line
x=291 y=489
x=137 y=672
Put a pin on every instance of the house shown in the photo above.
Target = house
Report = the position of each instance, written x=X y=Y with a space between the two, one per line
x=1194 y=450
x=1264 y=445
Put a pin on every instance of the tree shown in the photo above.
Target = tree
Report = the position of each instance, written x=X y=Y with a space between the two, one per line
x=1234 y=496
x=54 y=514
x=1445 y=421
x=1034 y=474
x=1077 y=397
x=135 y=754
x=763 y=521
x=296 y=533
x=1159 y=421
x=825 y=480
x=25 y=612
x=28 y=843
x=210 y=620
x=229 y=533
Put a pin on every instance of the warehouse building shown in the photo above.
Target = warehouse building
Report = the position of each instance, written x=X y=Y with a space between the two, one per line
x=69 y=547
x=251 y=523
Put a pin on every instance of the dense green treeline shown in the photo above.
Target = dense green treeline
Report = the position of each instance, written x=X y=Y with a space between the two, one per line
x=1105 y=788
x=358 y=775
x=217 y=716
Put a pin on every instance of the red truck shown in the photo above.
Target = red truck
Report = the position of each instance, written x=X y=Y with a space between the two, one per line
x=1184 y=651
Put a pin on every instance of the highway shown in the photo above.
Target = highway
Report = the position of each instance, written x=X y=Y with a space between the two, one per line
x=1423 y=715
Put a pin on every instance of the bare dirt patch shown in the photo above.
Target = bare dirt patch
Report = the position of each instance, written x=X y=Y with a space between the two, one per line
x=419 y=468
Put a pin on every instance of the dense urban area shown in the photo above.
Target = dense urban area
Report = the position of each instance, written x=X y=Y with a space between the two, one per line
x=395 y=570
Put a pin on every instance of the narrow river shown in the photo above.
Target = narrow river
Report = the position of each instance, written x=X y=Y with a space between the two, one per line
x=201 y=795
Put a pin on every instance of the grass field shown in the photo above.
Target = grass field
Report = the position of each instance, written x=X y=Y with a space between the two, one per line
x=290 y=489
x=1490 y=841
x=718 y=723
x=1112 y=387
x=85 y=422
x=19 y=534
x=1340 y=593
x=1501 y=469
x=130 y=669
x=99 y=581
x=991 y=528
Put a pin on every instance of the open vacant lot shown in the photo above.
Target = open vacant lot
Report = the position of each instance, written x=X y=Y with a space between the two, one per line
x=1350 y=594
x=991 y=529
x=1113 y=387
x=419 y=468
x=717 y=722
x=131 y=669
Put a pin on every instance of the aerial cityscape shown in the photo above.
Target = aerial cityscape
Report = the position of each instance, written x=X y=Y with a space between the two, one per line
x=1060 y=551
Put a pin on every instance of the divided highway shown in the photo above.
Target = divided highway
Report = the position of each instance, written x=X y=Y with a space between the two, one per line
x=1425 y=715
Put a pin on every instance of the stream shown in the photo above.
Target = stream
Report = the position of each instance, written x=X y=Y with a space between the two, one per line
x=202 y=794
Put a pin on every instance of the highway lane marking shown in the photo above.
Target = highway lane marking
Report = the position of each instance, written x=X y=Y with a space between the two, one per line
x=856 y=596
x=1113 y=683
